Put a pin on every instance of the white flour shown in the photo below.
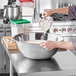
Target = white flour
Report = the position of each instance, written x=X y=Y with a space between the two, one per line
x=34 y=41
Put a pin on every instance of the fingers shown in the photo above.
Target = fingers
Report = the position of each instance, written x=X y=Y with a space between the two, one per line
x=43 y=44
x=48 y=45
x=44 y=14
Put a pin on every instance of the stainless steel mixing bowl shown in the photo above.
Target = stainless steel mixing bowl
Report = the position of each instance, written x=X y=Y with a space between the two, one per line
x=35 y=51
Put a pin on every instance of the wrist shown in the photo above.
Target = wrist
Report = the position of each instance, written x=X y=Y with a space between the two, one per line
x=58 y=44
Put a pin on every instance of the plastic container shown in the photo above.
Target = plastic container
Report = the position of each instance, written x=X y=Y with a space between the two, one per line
x=27 y=7
x=26 y=1
x=19 y=21
x=19 y=26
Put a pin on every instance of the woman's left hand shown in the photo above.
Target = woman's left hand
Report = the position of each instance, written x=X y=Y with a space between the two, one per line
x=48 y=45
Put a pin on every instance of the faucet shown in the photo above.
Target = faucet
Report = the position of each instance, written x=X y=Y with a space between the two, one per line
x=36 y=15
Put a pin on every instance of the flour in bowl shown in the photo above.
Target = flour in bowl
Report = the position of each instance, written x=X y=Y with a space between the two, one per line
x=35 y=41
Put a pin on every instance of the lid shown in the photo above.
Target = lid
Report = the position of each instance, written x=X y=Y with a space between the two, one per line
x=20 y=21
x=26 y=1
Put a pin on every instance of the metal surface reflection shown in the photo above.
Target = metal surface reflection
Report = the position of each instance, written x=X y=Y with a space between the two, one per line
x=26 y=65
x=33 y=50
x=42 y=65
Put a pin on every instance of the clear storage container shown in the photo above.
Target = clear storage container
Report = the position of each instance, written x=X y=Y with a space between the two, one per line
x=19 y=26
x=27 y=7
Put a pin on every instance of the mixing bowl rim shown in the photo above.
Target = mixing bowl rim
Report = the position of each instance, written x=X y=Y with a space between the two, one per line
x=32 y=32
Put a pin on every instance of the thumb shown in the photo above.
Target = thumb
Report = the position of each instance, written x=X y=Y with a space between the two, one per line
x=44 y=14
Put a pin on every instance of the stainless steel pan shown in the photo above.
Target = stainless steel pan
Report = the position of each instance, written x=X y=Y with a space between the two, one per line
x=34 y=51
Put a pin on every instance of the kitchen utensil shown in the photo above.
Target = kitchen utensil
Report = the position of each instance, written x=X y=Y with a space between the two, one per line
x=33 y=49
x=11 y=11
x=45 y=23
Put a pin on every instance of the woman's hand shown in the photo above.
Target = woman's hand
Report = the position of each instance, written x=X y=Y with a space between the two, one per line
x=47 y=12
x=48 y=45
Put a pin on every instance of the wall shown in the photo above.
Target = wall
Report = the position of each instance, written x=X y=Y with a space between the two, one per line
x=44 y=4
x=2 y=3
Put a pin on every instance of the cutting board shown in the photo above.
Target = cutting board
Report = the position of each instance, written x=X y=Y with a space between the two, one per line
x=11 y=45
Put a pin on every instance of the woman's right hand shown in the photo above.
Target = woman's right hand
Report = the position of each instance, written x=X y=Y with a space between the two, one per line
x=49 y=45
x=47 y=12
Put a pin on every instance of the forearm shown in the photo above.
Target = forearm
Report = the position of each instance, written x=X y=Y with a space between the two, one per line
x=65 y=45
x=61 y=10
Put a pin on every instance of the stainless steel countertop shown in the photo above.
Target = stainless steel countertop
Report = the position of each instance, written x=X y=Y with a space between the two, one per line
x=63 y=62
